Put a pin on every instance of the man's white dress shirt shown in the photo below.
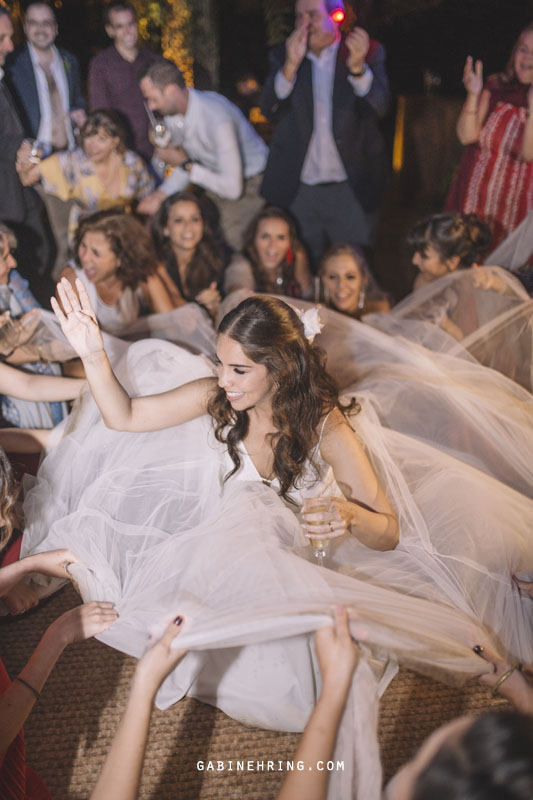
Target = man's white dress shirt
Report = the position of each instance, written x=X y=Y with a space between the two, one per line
x=322 y=161
x=58 y=71
x=219 y=139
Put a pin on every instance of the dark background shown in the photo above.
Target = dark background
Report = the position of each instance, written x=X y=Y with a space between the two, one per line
x=419 y=35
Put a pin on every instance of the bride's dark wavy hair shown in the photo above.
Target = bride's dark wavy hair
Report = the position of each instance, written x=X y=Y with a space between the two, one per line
x=271 y=333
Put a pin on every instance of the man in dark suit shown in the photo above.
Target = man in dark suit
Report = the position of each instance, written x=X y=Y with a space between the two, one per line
x=328 y=162
x=45 y=83
x=19 y=207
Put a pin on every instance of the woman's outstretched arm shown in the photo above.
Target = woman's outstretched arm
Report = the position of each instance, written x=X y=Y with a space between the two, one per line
x=39 y=388
x=19 y=698
x=365 y=513
x=121 y=772
x=337 y=656
x=119 y=410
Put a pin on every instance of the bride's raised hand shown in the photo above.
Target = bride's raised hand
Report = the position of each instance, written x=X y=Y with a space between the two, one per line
x=77 y=318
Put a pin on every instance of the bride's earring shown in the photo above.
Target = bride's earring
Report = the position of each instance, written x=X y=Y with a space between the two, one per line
x=361 y=301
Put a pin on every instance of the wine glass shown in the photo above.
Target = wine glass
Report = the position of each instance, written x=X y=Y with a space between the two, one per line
x=315 y=505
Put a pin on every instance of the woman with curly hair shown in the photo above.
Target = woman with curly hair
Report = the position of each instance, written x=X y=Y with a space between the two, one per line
x=273 y=260
x=116 y=263
x=191 y=255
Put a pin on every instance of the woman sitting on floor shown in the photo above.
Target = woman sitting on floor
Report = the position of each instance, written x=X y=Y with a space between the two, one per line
x=273 y=260
x=192 y=257
x=348 y=285
x=231 y=482
x=116 y=262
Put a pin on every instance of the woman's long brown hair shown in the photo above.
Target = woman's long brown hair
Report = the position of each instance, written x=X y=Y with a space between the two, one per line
x=271 y=333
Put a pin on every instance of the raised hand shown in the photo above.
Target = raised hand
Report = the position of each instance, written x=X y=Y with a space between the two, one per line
x=357 y=43
x=473 y=76
x=77 y=318
x=296 y=48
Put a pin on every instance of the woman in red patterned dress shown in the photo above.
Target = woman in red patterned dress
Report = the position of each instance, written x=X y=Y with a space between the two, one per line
x=495 y=177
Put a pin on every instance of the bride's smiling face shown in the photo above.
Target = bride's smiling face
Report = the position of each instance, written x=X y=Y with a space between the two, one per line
x=247 y=384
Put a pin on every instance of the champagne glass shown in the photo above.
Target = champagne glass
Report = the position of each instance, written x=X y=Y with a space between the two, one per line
x=37 y=150
x=316 y=505
x=160 y=136
x=158 y=132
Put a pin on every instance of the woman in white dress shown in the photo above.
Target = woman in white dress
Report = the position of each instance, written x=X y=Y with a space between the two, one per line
x=196 y=513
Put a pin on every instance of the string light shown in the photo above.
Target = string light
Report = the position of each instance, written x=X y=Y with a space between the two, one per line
x=171 y=20
x=173 y=37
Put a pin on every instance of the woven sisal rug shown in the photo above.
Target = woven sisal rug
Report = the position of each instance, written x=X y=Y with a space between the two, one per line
x=71 y=727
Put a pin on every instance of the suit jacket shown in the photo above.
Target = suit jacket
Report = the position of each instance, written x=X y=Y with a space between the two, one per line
x=355 y=128
x=21 y=80
x=11 y=135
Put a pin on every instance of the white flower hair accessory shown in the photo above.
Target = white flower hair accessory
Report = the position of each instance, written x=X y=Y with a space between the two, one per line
x=310 y=319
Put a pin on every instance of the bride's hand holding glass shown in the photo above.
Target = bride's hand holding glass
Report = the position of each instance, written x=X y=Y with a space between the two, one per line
x=321 y=520
x=77 y=319
x=326 y=518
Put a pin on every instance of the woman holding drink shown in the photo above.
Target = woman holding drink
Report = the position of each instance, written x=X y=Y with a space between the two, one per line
x=192 y=498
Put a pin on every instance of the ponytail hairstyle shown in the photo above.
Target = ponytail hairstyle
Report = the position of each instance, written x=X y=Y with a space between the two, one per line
x=452 y=234
x=271 y=333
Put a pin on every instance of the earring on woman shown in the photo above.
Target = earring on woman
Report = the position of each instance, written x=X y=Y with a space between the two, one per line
x=361 y=301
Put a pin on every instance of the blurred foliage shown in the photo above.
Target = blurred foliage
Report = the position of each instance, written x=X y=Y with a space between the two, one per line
x=278 y=16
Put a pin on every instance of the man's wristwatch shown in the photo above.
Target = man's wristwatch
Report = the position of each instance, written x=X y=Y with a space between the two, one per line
x=359 y=74
x=187 y=164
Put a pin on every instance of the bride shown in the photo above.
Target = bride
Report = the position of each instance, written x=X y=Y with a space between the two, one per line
x=192 y=508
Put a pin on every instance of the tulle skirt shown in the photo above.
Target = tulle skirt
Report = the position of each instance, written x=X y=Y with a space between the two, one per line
x=159 y=531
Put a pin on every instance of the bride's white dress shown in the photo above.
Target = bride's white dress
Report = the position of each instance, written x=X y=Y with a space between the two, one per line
x=160 y=532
